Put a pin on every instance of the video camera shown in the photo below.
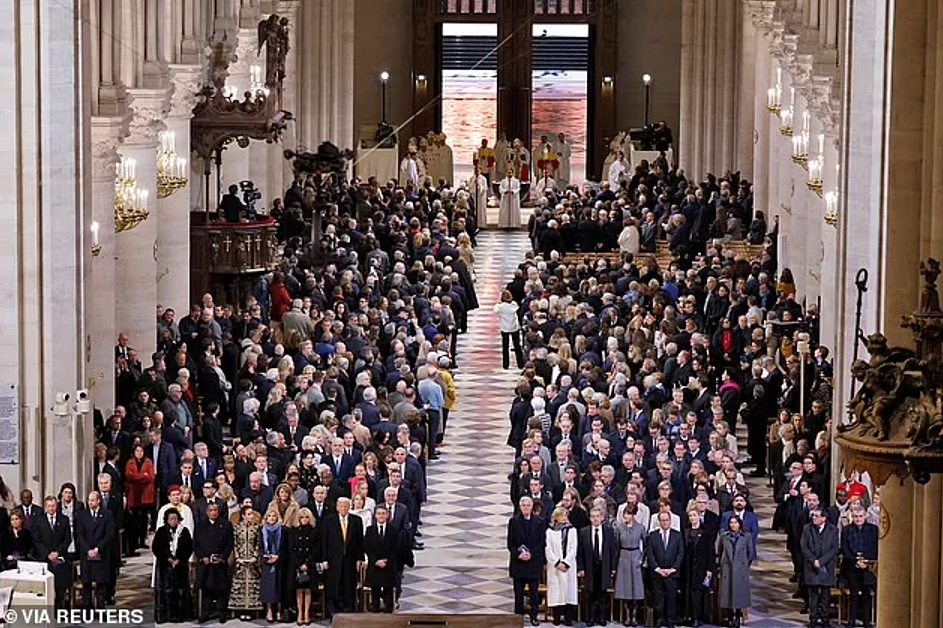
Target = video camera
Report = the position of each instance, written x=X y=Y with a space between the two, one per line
x=250 y=194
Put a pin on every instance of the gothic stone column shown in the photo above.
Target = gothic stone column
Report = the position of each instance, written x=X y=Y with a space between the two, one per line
x=136 y=285
x=173 y=212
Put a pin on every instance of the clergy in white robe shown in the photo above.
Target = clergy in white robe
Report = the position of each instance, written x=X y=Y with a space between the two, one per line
x=478 y=188
x=617 y=171
x=445 y=159
x=564 y=153
x=615 y=147
x=510 y=215
x=411 y=170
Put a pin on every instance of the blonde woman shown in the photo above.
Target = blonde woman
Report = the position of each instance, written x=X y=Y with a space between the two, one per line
x=562 y=586
x=466 y=253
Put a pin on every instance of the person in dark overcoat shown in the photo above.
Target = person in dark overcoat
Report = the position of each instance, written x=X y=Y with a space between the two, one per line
x=302 y=556
x=527 y=546
x=859 y=549
x=737 y=553
x=665 y=553
x=172 y=546
x=51 y=543
x=383 y=543
x=597 y=559
x=95 y=542
x=820 y=548
x=213 y=544
x=341 y=557
x=697 y=572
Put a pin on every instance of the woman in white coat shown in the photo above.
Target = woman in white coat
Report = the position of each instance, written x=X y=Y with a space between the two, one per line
x=629 y=238
x=506 y=310
x=562 y=588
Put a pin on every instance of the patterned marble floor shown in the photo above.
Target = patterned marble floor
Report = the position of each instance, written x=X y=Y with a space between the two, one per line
x=464 y=566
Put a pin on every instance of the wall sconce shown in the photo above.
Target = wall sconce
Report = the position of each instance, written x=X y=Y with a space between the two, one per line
x=607 y=81
x=421 y=78
x=96 y=247
x=831 y=208
x=774 y=95
x=814 y=182
x=816 y=168
x=787 y=114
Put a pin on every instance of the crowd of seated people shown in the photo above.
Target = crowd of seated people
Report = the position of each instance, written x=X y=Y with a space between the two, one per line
x=280 y=447
x=625 y=417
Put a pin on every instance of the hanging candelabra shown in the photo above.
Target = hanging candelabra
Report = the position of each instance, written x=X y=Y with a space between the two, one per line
x=816 y=167
x=130 y=202
x=171 y=170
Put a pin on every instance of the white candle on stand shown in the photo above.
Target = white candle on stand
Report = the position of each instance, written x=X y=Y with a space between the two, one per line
x=94 y=229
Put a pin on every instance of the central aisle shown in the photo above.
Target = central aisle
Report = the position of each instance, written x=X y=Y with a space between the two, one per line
x=464 y=566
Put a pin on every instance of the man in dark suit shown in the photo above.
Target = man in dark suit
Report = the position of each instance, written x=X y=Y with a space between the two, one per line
x=294 y=433
x=165 y=461
x=51 y=539
x=260 y=495
x=205 y=465
x=341 y=464
x=383 y=542
x=527 y=545
x=212 y=546
x=187 y=476
x=30 y=510
x=820 y=549
x=213 y=431
x=665 y=549
x=95 y=532
x=342 y=557
x=320 y=507
x=597 y=558
x=859 y=549
x=113 y=502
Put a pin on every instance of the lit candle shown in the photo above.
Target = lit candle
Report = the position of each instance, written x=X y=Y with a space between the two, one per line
x=821 y=143
x=797 y=145
x=805 y=121
x=94 y=228
x=181 y=167
x=805 y=143
x=792 y=96
x=779 y=77
x=771 y=97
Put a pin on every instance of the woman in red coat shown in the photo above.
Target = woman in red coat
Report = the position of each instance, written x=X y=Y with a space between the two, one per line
x=141 y=490
x=281 y=300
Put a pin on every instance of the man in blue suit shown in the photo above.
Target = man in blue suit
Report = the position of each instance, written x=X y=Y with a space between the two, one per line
x=341 y=463
x=751 y=523
x=164 y=457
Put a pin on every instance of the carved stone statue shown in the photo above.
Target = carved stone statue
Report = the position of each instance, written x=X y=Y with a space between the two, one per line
x=273 y=34
x=897 y=414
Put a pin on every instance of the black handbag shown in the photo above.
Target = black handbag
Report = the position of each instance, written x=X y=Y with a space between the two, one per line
x=302 y=578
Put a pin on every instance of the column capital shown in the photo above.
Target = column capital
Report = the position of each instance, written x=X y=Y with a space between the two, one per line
x=149 y=107
x=286 y=8
x=106 y=135
x=760 y=12
x=187 y=82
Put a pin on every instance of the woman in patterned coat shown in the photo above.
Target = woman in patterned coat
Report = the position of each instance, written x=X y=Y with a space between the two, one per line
x=247 y=576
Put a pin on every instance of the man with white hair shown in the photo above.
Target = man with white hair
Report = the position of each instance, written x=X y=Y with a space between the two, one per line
x=370 y=414
x=342 y=557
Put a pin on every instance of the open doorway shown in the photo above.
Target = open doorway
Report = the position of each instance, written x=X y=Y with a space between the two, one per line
x=560 y=91
x=469 y=90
